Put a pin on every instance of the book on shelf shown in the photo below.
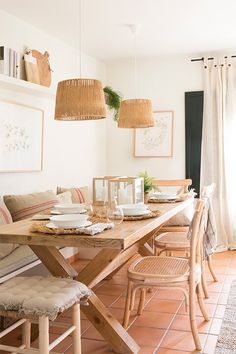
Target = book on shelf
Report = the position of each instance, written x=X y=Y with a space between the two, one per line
x=4 y=60
x=10 y=62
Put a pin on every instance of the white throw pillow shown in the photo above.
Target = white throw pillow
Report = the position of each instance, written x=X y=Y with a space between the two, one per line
x=5 y=218
x=65 y=198
x=183 y=218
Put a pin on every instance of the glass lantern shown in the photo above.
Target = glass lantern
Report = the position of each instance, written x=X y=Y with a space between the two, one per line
x=100 y=189
x=126 y=190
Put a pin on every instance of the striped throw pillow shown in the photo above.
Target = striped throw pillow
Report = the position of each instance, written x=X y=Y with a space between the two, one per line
x=5 y=218
x=78 y=195
x=26 y=205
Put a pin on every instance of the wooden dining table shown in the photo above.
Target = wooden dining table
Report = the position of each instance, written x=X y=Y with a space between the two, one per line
x=116 y=246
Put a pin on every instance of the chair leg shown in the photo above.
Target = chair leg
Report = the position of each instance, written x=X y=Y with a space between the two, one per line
x=43 y=335
x=26 y=327
x=156 y=251
x=76 y=335
x=201 y=302
x=141 y=301
x=192 y=316
x=210 y=266
x=127 y=305
x=203 y=280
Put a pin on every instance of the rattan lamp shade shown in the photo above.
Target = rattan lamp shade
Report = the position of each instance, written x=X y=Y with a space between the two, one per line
x=136 y=113
x=80 y=99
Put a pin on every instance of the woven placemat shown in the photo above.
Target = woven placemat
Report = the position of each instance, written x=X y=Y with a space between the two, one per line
x=164 y=200
x=153 y=214
x=40 y=226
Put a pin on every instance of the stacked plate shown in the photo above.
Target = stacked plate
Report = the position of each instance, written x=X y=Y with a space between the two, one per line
x=135 y=209
x=74 y=208
x=164 y=196
x=69 y=221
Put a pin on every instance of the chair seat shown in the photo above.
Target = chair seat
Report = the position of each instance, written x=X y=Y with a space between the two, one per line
x=173 y=240
x=37 y=296
x=160 y=268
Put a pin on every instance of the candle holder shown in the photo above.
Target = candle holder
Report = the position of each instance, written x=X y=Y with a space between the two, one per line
x=100 y=189
x=126 y=190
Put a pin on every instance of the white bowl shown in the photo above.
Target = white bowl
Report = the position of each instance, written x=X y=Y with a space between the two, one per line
x=70 y=208
x=69 y=220
x=133 y=209
x=160 y=196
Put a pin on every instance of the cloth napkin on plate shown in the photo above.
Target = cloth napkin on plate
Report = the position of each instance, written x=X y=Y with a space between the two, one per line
x=95 y=228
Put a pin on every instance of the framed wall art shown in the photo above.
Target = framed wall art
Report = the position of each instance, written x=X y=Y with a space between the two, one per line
x=21 y=137
x=158 y=140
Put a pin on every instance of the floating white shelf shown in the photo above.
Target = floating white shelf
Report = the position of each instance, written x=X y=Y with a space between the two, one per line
x=23 y=86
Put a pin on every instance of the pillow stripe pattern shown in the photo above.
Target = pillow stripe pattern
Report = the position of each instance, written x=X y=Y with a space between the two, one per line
x=23 y=213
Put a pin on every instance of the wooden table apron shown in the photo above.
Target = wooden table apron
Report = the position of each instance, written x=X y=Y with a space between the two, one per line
x=117 y=247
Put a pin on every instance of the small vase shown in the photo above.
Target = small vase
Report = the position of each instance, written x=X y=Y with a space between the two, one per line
x=146 y=197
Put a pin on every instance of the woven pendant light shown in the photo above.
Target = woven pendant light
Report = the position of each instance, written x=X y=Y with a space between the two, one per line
x=136 y=113
x=80 y=99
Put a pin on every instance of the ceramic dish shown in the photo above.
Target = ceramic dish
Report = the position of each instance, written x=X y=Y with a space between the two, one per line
x=57 y=212
x=134 y=209
x=51 y=225
x=165 y=196
x=69 y=220
x=70 y=208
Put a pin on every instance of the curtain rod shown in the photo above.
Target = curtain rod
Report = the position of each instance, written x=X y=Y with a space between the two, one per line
x=211 y=58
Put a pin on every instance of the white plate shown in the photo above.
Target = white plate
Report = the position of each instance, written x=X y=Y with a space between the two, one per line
x=40 y=217
x=166 y=196
x=51 y=225
x=57 y=212
x=137 y=213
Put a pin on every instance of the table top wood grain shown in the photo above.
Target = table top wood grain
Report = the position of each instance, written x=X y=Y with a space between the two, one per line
x=121 y=237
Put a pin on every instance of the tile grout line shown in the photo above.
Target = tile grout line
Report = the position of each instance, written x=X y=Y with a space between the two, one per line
x=167 y=329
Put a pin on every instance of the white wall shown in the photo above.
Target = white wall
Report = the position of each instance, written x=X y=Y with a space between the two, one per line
x=164 y=80
x=74 y=152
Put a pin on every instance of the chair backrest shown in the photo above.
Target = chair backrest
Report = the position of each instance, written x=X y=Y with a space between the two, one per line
x=207 y=191
x=182 y=183
x=197 y=228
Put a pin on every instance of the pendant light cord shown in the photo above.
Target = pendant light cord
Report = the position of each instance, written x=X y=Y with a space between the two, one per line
x=80 y=38
x=135 y=64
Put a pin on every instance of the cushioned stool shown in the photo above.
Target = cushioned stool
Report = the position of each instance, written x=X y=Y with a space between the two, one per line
x=39 y=299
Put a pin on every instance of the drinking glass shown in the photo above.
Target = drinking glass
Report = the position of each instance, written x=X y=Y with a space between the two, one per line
x=115 y=213
x=89 y=209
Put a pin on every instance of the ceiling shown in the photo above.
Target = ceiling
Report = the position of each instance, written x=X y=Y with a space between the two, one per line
x=166 y=26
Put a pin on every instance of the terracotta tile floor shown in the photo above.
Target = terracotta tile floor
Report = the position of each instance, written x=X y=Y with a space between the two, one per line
x=163 y=327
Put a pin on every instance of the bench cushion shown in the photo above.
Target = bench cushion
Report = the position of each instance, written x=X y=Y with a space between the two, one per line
x=79 y=195
x=5 y=218
x=24 y=206
x=37 y=296
x=20 y=257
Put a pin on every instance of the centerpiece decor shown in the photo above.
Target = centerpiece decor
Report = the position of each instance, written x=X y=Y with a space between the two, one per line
x=100 y=189
x=148 y=184
x=126 y=190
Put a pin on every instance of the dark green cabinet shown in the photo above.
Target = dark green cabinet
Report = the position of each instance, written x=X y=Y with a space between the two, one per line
x=193 y=136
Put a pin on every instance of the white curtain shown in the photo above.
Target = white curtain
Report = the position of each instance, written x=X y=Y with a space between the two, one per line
x=218 y=160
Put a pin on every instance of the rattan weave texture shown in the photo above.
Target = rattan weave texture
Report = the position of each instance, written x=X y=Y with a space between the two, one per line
x=162 y=266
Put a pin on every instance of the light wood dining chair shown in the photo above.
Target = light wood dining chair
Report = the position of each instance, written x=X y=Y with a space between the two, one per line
x=171 y=273
x=182 y=186
x=170 y=242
